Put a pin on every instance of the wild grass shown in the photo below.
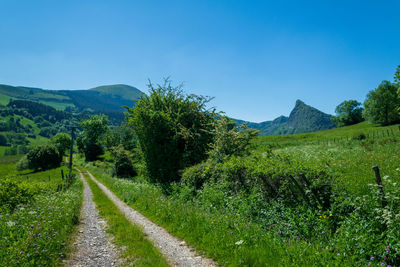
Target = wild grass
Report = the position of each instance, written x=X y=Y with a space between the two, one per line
x=138 y=251
x=36 y=232
x=227 y=237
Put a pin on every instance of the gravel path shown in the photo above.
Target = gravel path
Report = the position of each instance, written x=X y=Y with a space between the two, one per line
x=174 y=250
x=92 y=247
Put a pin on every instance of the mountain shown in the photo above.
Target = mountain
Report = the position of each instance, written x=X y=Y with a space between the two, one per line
x=122 y=90
x=302 y=119
x=108 y=99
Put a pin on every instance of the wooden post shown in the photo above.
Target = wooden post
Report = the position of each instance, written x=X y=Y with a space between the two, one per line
x=380 y=185
x=71 y=150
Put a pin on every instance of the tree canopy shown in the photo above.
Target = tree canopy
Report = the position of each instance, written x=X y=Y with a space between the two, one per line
x=174 y=130
x=382 y=104
x=348 y=112
x=90 y=140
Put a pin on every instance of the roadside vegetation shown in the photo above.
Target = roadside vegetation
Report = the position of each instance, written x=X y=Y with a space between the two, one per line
x=38 y=212
x=307 y=199
x=292 y=200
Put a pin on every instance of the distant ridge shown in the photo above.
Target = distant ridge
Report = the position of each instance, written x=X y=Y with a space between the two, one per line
x=107 y=99
x=302 y=119
x=123 y=90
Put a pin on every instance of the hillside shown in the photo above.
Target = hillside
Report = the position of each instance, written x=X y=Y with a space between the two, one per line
x=122 y=90
x=108 y=99
x=302 y=119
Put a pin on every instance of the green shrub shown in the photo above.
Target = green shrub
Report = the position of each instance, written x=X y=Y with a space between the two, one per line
x=44 y=157
x=275 y=177
x=12 y=194
x=358 y=136
x=62 y=141
x=173 y=130
x=230 y=139
x=123 y=166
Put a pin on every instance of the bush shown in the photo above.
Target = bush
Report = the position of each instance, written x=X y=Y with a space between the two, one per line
x=62 y=141
x=358 y=136
x=3 y=140
x=44 y=157
x=123 y=166
x=12 y=194
x=174 y=131
x=91 y=138
x=230 y=139
x=273 y=176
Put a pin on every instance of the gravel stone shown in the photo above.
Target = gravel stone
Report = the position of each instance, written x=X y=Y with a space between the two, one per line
x=92 y=245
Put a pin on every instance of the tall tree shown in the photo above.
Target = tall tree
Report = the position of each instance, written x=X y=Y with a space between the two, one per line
x=347 y=113
x=90 y=140
x=173 y=130
x=382 y=104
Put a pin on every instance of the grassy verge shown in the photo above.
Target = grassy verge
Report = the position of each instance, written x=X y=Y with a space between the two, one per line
x=36 y=234
x=139 y=251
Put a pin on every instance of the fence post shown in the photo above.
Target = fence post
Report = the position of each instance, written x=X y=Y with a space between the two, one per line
x=379 y=183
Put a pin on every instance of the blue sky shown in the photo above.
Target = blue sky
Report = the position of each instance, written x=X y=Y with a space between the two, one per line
x=255 y=57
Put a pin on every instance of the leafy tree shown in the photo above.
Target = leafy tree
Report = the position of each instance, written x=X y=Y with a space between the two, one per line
x=348 y=113
x=62 y=141
x=230 y=139
x=44 y=157
x=123 y=165
x=3 y=140
x=174 y=130
x=90 y=140
x=382 y=104
x=397 y=76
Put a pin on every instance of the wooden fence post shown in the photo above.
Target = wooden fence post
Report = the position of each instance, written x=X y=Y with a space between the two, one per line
x=380 y=185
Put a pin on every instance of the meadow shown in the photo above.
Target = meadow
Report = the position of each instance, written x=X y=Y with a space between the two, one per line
x=37 y=217
x=233 y=220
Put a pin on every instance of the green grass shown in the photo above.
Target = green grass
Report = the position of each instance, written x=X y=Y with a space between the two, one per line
x=228 y=238
x=4 y=99
x=139 y=251
x=58 y=105
x=38 y=233
x=373 y=131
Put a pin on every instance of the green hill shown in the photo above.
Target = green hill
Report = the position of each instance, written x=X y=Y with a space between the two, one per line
x=122 y=90
x=108 y=99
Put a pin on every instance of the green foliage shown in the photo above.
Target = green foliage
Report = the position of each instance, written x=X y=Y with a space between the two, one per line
x=358 y=136
x=36 y=233
x=62 y=141
x=123 y=165
x=44 y=157
x=397 y=75
x=173 y=130
x=382 y=104
x=3 y=140
x=230 y=139
x=348 y=112
x=90 y=140
x=12 y=194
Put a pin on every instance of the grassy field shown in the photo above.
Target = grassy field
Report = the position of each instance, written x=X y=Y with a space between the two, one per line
x=36 y=220
x=359 y=227
x=4 y=99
